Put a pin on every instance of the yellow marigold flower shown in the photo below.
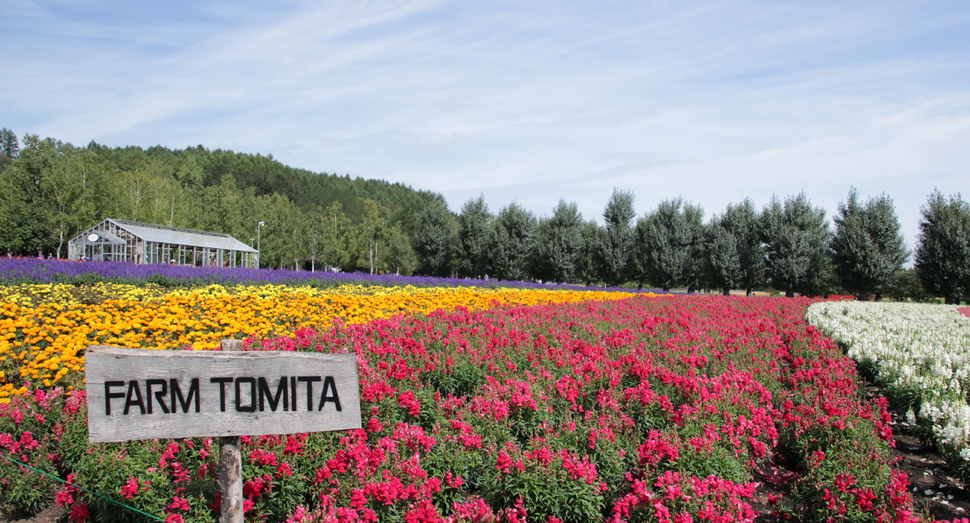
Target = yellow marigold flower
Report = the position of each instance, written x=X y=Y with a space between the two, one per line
x=43 y=328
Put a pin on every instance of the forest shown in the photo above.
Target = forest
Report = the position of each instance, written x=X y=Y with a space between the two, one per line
x=50 y=191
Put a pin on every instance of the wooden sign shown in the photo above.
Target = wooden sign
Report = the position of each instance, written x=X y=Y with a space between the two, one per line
x=144 y=394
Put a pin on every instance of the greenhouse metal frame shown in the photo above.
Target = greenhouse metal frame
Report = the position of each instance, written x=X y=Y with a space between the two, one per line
x=135 y=242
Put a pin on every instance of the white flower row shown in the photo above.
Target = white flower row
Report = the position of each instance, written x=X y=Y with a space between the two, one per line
x=920 y=350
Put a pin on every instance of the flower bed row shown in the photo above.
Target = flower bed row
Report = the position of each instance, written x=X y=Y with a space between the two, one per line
x=920 y=355
x=667 y=410
x=44 y=329
x=39 y=271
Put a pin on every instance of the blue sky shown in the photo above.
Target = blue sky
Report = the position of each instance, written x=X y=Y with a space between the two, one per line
x=526 y=101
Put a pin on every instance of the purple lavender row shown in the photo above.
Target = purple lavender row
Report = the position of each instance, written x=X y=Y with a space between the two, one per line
x=35 y=270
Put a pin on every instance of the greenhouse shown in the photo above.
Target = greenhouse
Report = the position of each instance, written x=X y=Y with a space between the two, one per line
x=134 y=242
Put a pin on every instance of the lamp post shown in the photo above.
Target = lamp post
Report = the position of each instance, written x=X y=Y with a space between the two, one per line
x=259 y=227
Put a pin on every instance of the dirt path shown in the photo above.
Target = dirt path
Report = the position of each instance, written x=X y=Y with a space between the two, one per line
x=935 y=493
x=51 y=514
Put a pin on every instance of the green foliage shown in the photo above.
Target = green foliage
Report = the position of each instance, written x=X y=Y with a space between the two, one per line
x=907 y=287
x=868 y=248
x=461 y=379
x=942 y=257
x=50 y=191
x=741 y=221
x=326 y=236
x=558 y=248
x=614 y=252
x=474 y=226
x=796 y=238
x=434 y=239
x=589 y=268
x=544 y=491
x=512 y=237
x=30 y=422
x=723 y=263
x=379 y=246
x=668 y=243
x=9 y=147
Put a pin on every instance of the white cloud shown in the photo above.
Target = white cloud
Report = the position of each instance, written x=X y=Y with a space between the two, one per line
x=531 y=102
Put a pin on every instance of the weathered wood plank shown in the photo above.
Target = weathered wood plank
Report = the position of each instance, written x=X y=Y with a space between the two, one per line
x=230 y=466
x=144 y=394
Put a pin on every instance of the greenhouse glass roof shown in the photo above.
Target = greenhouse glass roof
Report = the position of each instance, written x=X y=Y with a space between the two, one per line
x=178 y=236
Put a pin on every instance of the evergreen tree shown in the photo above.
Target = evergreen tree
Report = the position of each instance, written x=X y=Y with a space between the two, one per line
x=474 y=227
x=942 y=258
x=558 y=248
x=667 y=245
x=512 y=236
x=9 y=148
x=589 y=269
x=868 y=247
x=796 y=237
x=694 y=217
x=435 y=239
x=614 y=252
x=723 y=262
x=741 y=221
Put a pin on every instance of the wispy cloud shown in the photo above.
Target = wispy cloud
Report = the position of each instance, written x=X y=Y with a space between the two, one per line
x=529 y=101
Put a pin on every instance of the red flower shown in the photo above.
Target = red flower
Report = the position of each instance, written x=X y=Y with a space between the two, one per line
x=130 y=488
x=79 y=512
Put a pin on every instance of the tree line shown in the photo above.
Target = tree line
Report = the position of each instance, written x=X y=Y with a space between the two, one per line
x=788 y=245
x=52 y=191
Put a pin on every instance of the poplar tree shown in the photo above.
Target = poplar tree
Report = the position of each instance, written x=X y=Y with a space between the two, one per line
x=722 y=261
x=796 y=237
x=513 y=233
x=435 y=239
x=667 y=245
x=868 y=247
x=614 y=253
x=474 y=224
x=741 y=220
x=589 y=269
x=942 y=258
x=558 y=249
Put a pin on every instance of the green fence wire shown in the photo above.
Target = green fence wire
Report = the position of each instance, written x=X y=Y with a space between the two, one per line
x=156 y=518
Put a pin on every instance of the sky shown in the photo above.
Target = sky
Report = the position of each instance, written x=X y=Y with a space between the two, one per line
x=530 y=102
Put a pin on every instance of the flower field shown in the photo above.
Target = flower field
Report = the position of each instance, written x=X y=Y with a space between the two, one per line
x=478 y=405
x=44 y=328
x=920 y=354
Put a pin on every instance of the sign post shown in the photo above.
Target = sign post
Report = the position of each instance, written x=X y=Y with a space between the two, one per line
x=230 y=466
x=145 y=394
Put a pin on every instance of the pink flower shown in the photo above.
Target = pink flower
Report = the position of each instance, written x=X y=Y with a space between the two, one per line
x=284 y=470
x=407 y=400
x=177 y=504
x=130 y=488
x=474 y=511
